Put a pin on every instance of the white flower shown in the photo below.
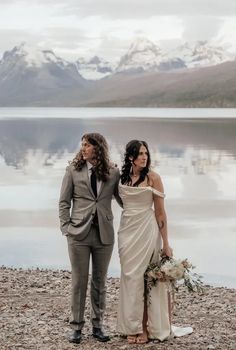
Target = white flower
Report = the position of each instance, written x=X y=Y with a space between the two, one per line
x=186 y=264
x=173 y=269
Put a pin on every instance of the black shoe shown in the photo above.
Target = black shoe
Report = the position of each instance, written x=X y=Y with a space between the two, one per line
x=75 y=337
x=99 y=335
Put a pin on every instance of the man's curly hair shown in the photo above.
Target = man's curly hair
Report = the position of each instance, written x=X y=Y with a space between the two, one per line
x=102 y=166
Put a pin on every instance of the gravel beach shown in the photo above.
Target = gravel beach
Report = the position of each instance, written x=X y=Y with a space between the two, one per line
x=35 y=310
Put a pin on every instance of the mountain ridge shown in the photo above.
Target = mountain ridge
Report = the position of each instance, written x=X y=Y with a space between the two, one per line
x=41 y=78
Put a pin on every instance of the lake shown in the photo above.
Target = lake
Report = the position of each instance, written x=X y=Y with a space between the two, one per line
x=193 y=151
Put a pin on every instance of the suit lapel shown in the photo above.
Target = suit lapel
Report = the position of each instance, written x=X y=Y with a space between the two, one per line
x=101 y=188
x=103 y=184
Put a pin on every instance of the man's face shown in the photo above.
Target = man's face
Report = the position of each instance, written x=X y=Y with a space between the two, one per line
x=88 y=151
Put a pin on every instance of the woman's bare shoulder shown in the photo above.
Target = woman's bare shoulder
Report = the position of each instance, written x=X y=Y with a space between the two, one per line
x=155 y=181
x=153 y=176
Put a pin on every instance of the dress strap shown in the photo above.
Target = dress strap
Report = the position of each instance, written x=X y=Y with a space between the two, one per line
x=158 y=193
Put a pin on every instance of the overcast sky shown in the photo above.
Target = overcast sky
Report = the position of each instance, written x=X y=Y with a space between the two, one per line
x=75 y=28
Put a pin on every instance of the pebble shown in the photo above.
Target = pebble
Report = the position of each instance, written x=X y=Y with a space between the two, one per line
x=35 y=312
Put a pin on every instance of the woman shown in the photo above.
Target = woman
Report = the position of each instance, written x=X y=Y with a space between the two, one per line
x=142 y=235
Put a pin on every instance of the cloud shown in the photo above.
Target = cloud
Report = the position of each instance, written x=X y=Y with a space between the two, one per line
x=12 y=38
x=201 y=27
x=72 y=43
x=112 y=48
x=141 y=9
x=86 y=27
x=134 y=8
x=226 y=35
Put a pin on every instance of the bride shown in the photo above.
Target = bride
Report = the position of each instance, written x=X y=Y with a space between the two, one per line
x=141 y=237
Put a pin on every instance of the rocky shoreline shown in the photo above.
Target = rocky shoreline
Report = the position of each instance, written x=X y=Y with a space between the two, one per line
x=35 y=310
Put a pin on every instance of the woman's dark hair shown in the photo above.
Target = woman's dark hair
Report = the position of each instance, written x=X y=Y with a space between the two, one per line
x=132 y=151
x=102 y=166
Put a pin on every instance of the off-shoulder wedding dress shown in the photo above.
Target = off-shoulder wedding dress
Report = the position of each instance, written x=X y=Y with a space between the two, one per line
x=139 y=242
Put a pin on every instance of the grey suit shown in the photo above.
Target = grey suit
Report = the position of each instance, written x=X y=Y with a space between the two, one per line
x=85 y=238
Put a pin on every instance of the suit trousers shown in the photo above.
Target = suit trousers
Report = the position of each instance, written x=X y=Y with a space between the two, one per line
x=80 y=252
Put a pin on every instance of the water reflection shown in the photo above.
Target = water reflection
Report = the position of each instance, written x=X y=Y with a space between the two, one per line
x=196 y=159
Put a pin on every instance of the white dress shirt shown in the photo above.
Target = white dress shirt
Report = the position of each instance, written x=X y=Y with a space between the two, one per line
x=99 y=182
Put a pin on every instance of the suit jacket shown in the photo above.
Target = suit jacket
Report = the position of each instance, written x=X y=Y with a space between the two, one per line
x=76 y=189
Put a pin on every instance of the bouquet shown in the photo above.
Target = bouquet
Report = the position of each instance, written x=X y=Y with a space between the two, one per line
x=174 y=271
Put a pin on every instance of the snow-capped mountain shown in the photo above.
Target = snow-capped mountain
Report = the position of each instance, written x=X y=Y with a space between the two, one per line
x=94 y=68
x=141 y=55
x=33 y=77
x=201 y=54
x=144 y=55
x=28 y=73
x=32 y=57
x=23 y=58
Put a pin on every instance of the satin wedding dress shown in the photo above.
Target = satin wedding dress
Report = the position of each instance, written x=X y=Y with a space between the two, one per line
x=139 y=242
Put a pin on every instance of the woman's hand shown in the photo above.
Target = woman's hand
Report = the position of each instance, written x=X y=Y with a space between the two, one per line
x=167 y=251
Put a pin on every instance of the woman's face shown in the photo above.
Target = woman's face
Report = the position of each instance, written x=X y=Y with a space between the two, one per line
x=88 y=151
x=141 y=160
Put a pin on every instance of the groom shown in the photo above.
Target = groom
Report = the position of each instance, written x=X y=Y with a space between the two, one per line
x=89 y=183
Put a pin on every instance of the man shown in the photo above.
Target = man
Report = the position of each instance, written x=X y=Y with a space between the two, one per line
x=89 y=183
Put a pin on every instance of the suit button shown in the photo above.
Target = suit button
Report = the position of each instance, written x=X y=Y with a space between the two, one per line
x=96 y=200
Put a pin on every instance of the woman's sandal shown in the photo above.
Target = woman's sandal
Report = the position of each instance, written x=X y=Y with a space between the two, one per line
x=131 y=339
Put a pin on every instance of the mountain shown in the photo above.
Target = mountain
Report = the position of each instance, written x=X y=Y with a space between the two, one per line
x=144 y=55
x=201 y=54
x=145 y=77
x=94 y=68
x=28 y=75
x=206 y=87
x=31 y=56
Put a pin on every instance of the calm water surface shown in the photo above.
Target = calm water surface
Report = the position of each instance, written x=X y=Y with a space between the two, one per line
x=195 y=157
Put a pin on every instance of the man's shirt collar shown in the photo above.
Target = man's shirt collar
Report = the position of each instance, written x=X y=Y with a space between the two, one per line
x=89 y=165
